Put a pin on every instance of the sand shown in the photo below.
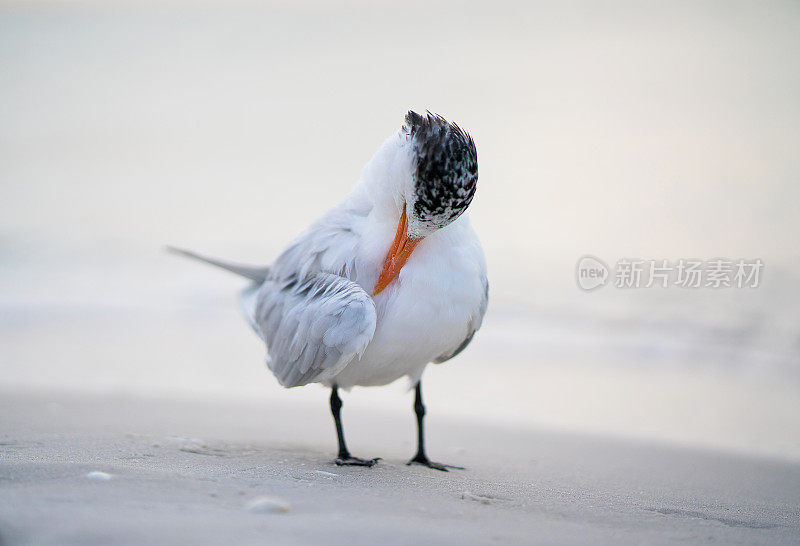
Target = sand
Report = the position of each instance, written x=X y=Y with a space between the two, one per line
x=132 y=470
x=134 y=402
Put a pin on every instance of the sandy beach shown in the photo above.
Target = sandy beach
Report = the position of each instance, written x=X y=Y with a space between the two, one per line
x=135 y=406
x=180 y=471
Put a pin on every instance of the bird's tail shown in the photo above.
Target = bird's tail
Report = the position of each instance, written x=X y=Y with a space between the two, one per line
x=257 y=274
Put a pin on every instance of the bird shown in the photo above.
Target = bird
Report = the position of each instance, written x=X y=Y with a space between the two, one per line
x=389 y=280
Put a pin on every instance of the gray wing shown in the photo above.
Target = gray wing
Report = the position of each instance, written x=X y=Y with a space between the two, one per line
x=312 y=327
x=477 y=320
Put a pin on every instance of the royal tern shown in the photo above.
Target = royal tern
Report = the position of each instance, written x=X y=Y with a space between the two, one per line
x=386 y=282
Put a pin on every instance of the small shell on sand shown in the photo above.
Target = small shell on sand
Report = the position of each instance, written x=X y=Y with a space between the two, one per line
x=466 y=495
x=268 y=505
x=97 y=476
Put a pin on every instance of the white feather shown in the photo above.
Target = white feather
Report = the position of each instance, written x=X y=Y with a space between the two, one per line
x=316 y=313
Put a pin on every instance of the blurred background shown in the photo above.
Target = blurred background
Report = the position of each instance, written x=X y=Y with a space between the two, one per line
x=661 y=130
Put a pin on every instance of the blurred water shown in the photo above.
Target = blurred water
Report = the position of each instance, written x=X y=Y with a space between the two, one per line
x=621 y=130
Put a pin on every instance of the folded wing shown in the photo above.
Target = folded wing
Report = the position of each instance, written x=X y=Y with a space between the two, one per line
x=313 y=327
x=474 y=325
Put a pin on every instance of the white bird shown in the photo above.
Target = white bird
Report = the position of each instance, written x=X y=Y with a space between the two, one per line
x=386 y=282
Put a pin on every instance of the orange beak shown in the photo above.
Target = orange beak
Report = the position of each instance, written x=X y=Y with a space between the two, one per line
x=398 y=255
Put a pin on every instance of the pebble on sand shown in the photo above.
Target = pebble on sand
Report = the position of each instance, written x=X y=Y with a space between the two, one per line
x=466 y=495
x=98 y=476
x=268 y=505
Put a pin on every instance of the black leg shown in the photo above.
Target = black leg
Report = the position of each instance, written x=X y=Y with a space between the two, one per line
x=344 y=458
x=336 y=410
x=421 y=458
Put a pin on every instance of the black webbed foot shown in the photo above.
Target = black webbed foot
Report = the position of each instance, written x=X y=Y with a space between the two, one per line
x=356 y=461
x=424 y=461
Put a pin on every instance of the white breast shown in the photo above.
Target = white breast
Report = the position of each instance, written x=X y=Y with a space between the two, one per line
x=426 y=311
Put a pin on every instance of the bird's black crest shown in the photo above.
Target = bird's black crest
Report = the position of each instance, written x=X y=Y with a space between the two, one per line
x=446 y=171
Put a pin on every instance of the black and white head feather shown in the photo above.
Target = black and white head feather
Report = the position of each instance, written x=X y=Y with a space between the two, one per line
x=445 y=172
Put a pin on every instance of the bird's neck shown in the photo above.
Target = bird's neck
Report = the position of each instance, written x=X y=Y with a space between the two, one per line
x=387 y=180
